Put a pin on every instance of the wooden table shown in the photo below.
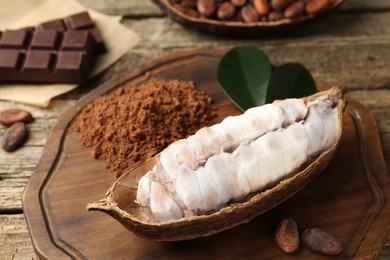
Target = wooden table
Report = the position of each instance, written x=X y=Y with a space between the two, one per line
x=351 y=47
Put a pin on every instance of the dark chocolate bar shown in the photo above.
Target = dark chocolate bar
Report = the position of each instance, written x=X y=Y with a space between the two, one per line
x=57 y=51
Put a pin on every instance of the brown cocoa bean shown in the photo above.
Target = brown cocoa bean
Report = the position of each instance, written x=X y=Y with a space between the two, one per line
x=317 y=6
x=279 y=5
x=10 y=116
x=14 y=137
x=249 y=14
x=226 y=11
x=294 y=10
x=187 y=11
x=207 y=7
x=320 y=241
x=262 y=6
x=287 y=236
x=275 y=16
x=238 y=3
x=189 y=4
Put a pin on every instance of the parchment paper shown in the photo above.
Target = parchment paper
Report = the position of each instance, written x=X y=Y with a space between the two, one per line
x=118 y=39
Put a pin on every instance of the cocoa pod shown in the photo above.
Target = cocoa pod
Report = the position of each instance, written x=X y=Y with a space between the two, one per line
x=249 y=14
x=10 y=116
x=275 y=16
x=238 y=3
x=226 y=11
x=287 y=236
x=14 y=137
x=317 y=6
x=279 y=5
x=207 y=7
x=294 y=10
x=262 y=6
x=320 y=241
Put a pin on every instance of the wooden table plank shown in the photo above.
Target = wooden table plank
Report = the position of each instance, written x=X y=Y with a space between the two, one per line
x=14 y=238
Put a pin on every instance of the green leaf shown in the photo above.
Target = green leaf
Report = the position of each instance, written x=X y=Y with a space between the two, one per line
x=291 y=80
x=244 y=74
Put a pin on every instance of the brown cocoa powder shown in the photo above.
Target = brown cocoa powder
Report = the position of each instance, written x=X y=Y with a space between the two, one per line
x=131 y=124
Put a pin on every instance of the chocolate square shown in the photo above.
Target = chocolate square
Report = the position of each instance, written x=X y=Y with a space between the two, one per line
x=10 y=63
x=71 y=66
x=10 y=59
x=38 y=65
x=76 y=40
x=98 y=47
x=17 y=39
x=57 y=25
x=38 y=59
x=45 y=40
x=79 y=21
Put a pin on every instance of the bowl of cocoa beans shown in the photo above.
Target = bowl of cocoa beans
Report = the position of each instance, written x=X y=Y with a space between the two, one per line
x=246 y=18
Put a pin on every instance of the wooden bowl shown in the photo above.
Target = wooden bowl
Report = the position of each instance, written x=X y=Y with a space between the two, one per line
x=236 y=29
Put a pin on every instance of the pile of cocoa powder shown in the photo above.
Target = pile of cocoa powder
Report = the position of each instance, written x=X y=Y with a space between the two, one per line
x=131 y=124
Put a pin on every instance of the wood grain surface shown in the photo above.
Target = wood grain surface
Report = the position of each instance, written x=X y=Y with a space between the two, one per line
x=352 y=46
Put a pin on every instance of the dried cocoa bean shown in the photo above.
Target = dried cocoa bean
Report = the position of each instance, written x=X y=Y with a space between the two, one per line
x=10 y=116
x=14 y=137
x=262 y=6
x=320 y=241
x=317 y=6
x=249 y=14
x=187 y=11
x=275 y=16
x=226 y=11
x=207 y=7
x=189 y=4
x=238 y=3
x=294 y=10
x=287 y=236
x=279 y=5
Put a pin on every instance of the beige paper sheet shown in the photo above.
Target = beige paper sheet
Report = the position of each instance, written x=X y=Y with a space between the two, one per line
x=118 y=39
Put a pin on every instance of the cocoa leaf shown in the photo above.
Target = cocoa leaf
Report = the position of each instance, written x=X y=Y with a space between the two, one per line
x=291 y=80
x=243 y=74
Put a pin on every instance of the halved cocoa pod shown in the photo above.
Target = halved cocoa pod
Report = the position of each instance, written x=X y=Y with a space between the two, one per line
x=120 y=200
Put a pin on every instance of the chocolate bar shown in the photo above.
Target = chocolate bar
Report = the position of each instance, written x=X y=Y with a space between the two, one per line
x=57 y=51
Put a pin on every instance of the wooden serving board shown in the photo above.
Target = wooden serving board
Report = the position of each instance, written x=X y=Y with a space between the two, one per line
x=350 y=199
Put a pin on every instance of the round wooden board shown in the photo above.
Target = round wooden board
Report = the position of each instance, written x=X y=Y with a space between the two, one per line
x=350 y=199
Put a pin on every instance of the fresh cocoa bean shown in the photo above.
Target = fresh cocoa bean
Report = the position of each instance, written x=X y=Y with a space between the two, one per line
x=287 y=236
x=262 y=6
x=320 y=241
x=238 y=3
x=226 y=11
x=10 y=116
x=249 y=14
x=14 y=137
x=279 y=5
x=294 y=10
x=207 y=7
x=317 y=6
x=275 y=16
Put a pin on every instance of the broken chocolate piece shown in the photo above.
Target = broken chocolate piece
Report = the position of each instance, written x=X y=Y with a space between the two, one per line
x=57 y=51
